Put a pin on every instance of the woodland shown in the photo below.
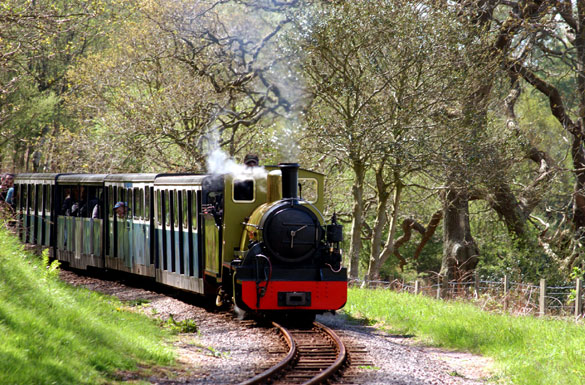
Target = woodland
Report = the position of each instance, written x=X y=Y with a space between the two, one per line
x=451 y=132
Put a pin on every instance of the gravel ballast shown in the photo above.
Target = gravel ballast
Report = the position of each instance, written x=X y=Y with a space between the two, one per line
x=227 y=350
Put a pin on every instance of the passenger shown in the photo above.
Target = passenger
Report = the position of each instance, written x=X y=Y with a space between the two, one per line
x=95 y=213
x=8 y=181
x=251 y=160
x=3 y=188
x=121 y=208
x=67 y=208
x=79 y=207
x=95 y=205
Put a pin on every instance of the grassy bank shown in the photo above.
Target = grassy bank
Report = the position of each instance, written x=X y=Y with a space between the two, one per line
x=527 y=350
x=51 y=333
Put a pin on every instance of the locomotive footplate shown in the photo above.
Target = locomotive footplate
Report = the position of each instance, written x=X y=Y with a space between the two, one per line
x=294 y=298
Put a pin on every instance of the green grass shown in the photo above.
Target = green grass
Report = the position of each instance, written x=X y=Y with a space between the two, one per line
x=51 y=333
x=526 y=350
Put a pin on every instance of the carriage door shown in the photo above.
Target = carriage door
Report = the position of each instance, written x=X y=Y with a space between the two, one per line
x=212 y=214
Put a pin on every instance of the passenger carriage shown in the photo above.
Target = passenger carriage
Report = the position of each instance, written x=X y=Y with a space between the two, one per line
x=129 y=239
x=34 y=206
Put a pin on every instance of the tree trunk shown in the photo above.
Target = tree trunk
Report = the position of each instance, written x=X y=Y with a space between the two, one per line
x=18 y=156
x=38 y=150
x=378 y=259
x=355 y=247
x=577 y=151
x=504 y=202
x=380 y=222
x=460 y=252
x=578 y=156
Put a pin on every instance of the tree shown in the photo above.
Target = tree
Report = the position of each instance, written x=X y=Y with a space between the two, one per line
x=379 y=75
x=181 y=74
x=461 y=253
x=535 y=41
x=557 y=36
x=40 y=41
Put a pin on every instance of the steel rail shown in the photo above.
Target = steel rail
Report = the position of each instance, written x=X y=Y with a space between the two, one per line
x=339 y=361
x=267 y=374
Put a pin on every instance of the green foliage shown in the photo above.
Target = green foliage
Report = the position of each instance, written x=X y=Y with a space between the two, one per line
x=54 y=333
x=51 y=267
x=526 y=350
x=149 y=86
x=523 y=260
x=184 y=326
x=41 y=41
x=576 y=273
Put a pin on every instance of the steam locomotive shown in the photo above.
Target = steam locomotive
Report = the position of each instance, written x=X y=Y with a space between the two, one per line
x=257 y=240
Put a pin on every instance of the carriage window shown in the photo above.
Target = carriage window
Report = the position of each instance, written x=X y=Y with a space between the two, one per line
x=16 y=198
x=138 y=200
x=39 y=202
x=111 y=200
x=42 y=203
x=121 y=197
x=96 y=196
x=308 y=189
x=175 y=209
x=33 y=198
x=185 y=204
x=31 y=201
x=243 y=190
x=129 y=203
x=159 y=212
x=194 y=213
x=167 y=211
x=24 y=196
x=48 y=201
x=147 y=203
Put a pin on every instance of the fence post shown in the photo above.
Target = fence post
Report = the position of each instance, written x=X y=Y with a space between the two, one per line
x=542 y=303
x=439 y=288
x=578 y=298
x=506 y=288
x=476 y=284
x=416 y=287
x=364 y=284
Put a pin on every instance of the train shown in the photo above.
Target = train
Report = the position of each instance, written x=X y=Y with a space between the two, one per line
x=257 y=240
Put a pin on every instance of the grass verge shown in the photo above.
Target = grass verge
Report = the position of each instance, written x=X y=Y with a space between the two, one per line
x=527 y=350
x=52 y=333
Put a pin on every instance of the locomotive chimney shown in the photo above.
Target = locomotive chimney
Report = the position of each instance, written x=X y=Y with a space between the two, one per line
x=290 y=179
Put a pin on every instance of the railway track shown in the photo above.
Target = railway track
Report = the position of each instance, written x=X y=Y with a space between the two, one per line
x=315 y=355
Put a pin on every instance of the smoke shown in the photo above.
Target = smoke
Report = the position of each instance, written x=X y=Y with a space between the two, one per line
x=218 y=162
x=286 y=140
x=271 y=58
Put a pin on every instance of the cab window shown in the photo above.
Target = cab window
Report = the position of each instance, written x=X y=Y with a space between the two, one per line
x=243 y=190
x=308 y=189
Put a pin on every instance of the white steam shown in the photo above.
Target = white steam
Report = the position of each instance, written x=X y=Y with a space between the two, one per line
x=286 y=140
x=218 y=162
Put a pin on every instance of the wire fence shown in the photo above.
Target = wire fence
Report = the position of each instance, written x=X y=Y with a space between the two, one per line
x=512 y=297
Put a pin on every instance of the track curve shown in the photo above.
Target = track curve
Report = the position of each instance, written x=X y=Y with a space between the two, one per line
x=315 y=355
